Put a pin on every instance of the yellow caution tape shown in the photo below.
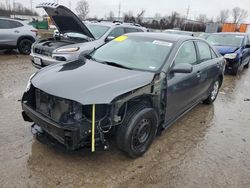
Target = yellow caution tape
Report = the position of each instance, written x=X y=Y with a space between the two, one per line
x=120 y=38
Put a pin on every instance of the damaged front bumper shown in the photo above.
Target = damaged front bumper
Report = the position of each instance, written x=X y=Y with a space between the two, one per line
x=69 y=135
x=70 y=123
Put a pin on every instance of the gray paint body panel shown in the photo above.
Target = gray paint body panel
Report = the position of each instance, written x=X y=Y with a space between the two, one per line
x=90 y=82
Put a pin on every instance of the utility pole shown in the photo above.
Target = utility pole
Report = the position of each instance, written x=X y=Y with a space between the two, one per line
x=14 y=8
x=188 y=10
x=31 y=5
x=119 y=11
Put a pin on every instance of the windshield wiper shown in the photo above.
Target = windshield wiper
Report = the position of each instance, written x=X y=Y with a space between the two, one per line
x=116 y=64
x=88 y=56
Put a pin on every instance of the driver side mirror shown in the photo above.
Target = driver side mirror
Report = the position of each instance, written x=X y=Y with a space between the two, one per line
x=247 y=46
x=182 y=68
x=109 y=38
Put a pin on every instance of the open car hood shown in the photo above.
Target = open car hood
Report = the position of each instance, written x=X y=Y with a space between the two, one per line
x=64 y=19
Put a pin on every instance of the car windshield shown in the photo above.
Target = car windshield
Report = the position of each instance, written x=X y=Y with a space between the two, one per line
x=134 y=53
x=97 y=30
x=225 y=40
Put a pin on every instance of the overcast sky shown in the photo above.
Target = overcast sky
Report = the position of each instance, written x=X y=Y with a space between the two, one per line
x=164 y=7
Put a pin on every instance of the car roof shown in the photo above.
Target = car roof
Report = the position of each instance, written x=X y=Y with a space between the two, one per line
x=5 y=18
x=113 y=24
x=229 y=33
x=177 y=31
x=12 y=19
x=163 y=36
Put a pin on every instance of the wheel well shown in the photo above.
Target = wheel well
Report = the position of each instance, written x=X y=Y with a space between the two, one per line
x=144 y=100
x=25 y=37
x=221 y=80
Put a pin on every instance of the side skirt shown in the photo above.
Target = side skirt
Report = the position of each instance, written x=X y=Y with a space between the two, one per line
x=168 y=124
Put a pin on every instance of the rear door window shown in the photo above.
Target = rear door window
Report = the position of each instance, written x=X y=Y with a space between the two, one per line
x=204 y=51
x=187 y=54
x=14 y=24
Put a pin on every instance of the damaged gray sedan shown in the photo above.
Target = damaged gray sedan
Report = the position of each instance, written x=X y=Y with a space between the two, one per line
x=134 y=86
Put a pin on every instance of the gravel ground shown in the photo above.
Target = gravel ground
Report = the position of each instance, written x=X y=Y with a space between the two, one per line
x=208 y=147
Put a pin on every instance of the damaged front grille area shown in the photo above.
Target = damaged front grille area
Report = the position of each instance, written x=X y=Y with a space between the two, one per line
x=66 y=111
x=58 y=109
x=66 y=120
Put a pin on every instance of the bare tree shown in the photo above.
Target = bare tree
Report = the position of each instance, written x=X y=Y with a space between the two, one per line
x=82 y=8
x=175 y=20
x=17 y=9
x=239 y=15
x=111 y=16
x=129 y=17
x=158 y=16
x=224 y=15
x=140 y=16
x=202 y=18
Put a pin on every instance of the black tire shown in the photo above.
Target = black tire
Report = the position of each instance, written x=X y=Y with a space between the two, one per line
x=235 y=69
x=136 y=133
x=213 y=95
x=246 y=66
x=24 y=46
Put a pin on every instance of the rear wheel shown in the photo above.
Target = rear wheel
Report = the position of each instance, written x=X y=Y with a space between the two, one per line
x=136 y=133
x=213 y=95
x=24 y=46
x=247 y=65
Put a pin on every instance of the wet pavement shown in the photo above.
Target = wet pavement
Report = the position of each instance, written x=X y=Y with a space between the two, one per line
x=208 y=147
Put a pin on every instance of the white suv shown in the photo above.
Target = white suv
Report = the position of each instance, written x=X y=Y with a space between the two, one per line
x=16 y=34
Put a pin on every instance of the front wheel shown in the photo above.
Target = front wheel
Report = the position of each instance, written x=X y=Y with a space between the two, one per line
x=136 y=133
x=213 y=95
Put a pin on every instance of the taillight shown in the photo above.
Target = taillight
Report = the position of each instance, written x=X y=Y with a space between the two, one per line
x=35 y=31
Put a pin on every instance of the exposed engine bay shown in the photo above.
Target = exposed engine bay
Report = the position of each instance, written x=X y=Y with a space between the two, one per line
x=47 y=46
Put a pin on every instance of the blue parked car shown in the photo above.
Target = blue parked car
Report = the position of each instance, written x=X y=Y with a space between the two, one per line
x=235 y=47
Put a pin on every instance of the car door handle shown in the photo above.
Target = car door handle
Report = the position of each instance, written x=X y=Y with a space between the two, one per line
x=198 y=74
x=16 y=31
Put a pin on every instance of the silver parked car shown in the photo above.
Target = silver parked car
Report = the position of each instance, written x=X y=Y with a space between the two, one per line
x=16 y=34
x=74 y=38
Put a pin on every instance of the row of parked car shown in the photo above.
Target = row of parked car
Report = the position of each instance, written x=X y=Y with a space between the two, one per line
x=134 y=85
x=75 y=39
x=235 y=47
